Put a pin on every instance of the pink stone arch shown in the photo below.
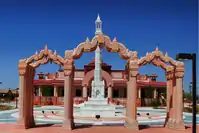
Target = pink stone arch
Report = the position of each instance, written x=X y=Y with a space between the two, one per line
x=89 y=76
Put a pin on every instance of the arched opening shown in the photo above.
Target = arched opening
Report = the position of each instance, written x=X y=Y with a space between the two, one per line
x=174 y=73
x=31 y=90
x=152 y=87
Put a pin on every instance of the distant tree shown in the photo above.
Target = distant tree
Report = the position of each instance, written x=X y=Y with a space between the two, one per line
x=10 y=96
x=188 y=96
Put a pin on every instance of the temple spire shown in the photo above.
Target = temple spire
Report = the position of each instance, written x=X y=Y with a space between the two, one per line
x=98 y=24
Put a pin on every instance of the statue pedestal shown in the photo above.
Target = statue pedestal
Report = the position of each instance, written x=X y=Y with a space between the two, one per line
x=97 y=106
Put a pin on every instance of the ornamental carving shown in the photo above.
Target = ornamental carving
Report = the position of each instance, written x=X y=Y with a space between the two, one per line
x=170 y=75
x=43 y=57
x=179 y=74
x=103 y=41
x=68 y=67
x=160 y=59
x=22 y=67
x=69 y=54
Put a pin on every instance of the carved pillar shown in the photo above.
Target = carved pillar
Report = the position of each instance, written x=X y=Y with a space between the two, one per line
x=170 y=100
x=85 y=91
x=179 y=122
x=131 y=108
x=31 y=96
x=173 y=102
x=21 y=119
x=68 y=122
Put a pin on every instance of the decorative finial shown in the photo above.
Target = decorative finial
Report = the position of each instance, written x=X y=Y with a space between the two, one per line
x=87 y=39
x=166 y=54
x=115 y=39
x=46 y=47
x=36 y=53
x=157 y=49
x=55 y=52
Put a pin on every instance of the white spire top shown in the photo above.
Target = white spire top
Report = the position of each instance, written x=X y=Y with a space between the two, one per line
x=98 y=20
x=98 y=24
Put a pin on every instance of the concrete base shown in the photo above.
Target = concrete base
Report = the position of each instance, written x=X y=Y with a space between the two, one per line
x=131 y=124
x=68 y=124
x=96 y=106
x=30 y=123
x=169 y=123
x=179 y=125
x=176 y=125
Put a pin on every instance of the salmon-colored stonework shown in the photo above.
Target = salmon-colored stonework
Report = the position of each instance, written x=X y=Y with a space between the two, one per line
x=174 y=74
x=11 y=128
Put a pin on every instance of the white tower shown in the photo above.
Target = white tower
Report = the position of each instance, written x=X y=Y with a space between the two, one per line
x=98 y=24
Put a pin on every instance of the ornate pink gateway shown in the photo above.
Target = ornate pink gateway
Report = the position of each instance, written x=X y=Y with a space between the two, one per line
x=174 y=74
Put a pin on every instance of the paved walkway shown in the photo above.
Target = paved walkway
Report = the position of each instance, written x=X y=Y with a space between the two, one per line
x=11 y=128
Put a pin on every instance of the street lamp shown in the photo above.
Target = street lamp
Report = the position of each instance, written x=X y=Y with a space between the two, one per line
x=188 y=56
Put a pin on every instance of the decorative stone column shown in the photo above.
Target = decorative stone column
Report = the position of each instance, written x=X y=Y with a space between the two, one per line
x=68 y=122
x=179 y=122
x=170 y=100
x=22 y=71
x=26 y=91
x=30 y=118
x=131 y=108
x=85 y=91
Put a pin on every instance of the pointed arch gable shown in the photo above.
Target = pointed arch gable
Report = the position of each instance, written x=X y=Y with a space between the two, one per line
x=103 y=41
x=158 y=59
x=43 y=57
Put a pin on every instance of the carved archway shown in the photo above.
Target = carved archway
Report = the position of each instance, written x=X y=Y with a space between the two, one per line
x=174 y=75
x=114 y=47
x=103 y=41
x=43 y=57
x=160 y=60
x=26 y=68
x=89 y=76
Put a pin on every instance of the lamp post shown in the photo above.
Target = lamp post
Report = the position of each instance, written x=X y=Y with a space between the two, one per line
x=188 y=56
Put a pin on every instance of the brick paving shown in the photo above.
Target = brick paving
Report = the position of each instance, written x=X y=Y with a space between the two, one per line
x=13 y=128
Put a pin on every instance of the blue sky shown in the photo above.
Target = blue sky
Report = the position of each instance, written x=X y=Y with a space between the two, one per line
x=141 y=25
